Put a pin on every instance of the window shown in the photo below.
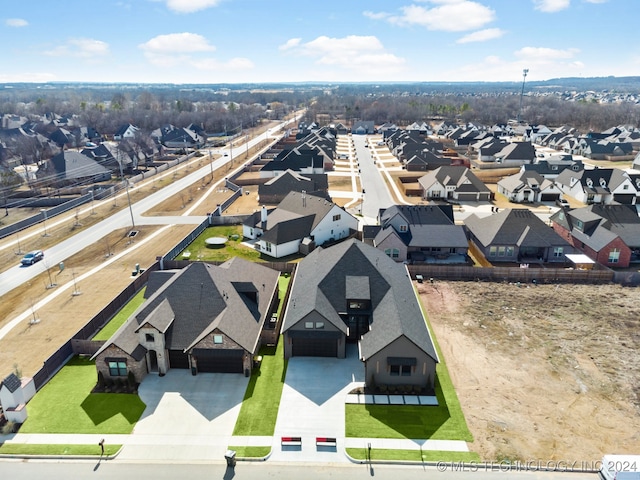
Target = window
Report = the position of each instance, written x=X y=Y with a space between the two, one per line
x=502 y=251
x=509 y=251
x=400 y=370
x=392 y=252
x=356 y=305
x=614 y=255
x=336 y=217
x=558 y=251
x=217 y=339
x=308 y=325
x=149 y=337
x=118 y=368
x=579 y=225
x=403 y=228
x=625 y=187
x=493 y=251
x=319 y=325
x=267 y=246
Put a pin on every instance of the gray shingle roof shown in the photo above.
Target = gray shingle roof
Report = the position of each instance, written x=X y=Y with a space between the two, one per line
x=12 y=382
x=517 y=226
x=323 y=278
x=202 y=298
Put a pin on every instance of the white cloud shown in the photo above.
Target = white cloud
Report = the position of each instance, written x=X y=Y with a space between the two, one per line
x=291 y=43
x=550 y=6
x=16 y=22
x=184 y=42
x=596 y=1
x=80 y=47
x=186 y=50
x=481 y=35
x=376 y=16
x=190 y=6
x=362 y=54
x=448 y=16
x=545 y=54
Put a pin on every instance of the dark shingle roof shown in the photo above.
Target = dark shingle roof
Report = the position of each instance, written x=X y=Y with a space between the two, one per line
x=518 y=226
x=12 y=382
x=324 y=277
x=203 y=298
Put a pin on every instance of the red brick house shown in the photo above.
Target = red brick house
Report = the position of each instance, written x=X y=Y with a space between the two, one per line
x=608 y=234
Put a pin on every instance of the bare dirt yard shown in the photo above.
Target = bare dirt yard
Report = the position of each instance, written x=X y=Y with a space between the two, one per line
x=547 y=372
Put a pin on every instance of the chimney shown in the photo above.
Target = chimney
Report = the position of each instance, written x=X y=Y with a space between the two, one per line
x=263 y=217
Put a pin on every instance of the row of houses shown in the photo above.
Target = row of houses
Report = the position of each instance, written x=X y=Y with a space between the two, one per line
x=207 y=318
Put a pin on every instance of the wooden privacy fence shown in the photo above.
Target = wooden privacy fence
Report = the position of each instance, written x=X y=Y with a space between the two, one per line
x=511 y=274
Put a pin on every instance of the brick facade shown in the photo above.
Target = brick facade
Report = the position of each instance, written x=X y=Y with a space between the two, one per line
x=139 y=368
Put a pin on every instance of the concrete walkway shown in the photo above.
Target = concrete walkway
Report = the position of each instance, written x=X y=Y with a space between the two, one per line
x=191 y=418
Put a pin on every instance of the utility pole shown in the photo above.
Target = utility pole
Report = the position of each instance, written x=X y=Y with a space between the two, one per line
x=524 y=76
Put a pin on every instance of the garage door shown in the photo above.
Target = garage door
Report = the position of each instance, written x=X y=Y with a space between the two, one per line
x=315 y=347
x=219 y=361
x=468 y=197
x=624 y=198
x=549 y=197
x=178 y=359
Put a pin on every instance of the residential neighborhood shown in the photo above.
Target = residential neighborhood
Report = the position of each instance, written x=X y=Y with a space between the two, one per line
x=281 y=274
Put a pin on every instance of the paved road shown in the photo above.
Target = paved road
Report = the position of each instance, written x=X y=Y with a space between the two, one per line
x=376 y=194
x=18 y=275
x=28 y=470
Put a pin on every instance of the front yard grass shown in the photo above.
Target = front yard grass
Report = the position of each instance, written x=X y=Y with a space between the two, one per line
x=42 y=449
x=118 y=320
x=251 y=452
x=259 y=409
x=66 y=404
x=412 y=455
x=443 y=422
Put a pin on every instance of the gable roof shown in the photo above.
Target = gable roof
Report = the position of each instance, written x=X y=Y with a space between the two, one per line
x=461 y=177
x=71 y=165
x=327 y=275
x=233 y=298
x=12 y=382
x=517 y=226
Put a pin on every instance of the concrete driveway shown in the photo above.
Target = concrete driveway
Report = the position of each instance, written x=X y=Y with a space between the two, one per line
x=313 y=405
x=187 y=417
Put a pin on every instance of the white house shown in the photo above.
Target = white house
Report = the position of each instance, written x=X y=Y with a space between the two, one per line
x=298 y=224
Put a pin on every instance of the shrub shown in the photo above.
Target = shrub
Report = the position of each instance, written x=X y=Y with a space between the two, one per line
x=9 y=427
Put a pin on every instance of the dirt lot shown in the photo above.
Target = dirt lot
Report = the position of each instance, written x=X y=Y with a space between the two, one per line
x=542 y=372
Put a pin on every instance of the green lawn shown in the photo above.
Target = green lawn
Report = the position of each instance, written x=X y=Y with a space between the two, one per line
x=283 y=284
x=38 y=449
x=65 y=405
x=444 y=422
x=413 y=455
x=250 y=452
x=233 y=248
x=261 y=400
x=118 y=320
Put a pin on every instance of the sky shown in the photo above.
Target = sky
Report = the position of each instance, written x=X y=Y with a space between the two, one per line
x=256 y=41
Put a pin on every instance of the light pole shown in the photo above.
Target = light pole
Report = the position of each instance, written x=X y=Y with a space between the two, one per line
x=126 y=186
x=524 y=76
x=44 y=221
x=211 y=165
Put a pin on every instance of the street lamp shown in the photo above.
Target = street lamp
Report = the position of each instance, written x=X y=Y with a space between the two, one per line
x=211 y=165
x=44 y=222
x=126 y=184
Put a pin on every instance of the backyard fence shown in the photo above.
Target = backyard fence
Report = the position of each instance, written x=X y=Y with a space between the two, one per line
x=511 y=274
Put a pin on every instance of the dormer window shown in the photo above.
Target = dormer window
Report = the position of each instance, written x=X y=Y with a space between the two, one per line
x=603 y=182
x=403 y=228
x=589 y=183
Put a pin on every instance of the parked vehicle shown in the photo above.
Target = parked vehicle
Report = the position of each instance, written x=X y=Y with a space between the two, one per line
x=561 y=202
x=32 y=257
x=620 y=467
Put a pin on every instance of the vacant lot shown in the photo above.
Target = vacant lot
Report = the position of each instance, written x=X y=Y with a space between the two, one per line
x=542 y=372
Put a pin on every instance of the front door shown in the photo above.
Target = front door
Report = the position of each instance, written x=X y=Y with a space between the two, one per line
x=153 y=361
